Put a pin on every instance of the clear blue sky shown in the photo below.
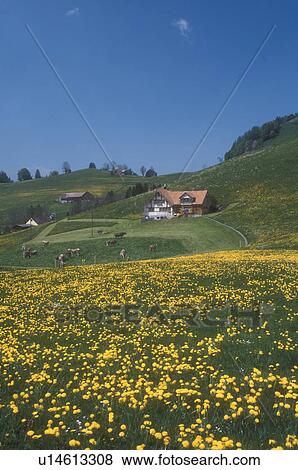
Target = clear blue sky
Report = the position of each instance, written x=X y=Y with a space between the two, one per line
x=149 y=75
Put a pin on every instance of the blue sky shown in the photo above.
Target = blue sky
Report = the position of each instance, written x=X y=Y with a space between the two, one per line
x=149 y=76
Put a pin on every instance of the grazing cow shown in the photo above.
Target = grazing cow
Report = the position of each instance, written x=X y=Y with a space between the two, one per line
x=111 y=242
x=60 y=260
x=67 y=253
x=119 y=234
x=123 y=253
x=99 y=232
x=71 y=252
x=152 y=247
x=28 y=253
x=75 y=251
x=45 y=242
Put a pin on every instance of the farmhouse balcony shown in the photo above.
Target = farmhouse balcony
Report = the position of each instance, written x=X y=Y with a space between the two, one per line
x=157 y=209
x=159 y=203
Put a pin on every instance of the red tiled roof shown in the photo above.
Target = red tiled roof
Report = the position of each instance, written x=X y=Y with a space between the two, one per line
x=173 y=197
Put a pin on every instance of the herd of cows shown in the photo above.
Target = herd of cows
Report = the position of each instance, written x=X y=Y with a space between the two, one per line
x=62 y=258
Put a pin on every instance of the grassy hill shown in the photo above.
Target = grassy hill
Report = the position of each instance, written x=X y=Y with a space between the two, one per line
x=257 y=136
x=257 y=192
x=45 y=191
x=172 y=238
x=131 y=208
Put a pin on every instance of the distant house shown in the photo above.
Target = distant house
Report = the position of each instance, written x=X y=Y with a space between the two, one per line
x=73 y=197
x=149 y=173
x=166 y=204
x=32 y=222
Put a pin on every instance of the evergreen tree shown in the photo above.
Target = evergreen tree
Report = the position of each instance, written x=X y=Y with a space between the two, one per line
x=4 y=178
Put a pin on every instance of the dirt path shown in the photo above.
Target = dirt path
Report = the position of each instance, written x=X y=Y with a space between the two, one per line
x=232 y=228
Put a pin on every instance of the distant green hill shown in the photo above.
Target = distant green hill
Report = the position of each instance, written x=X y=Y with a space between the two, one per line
x=15 y=197
x=257 y=192
x=258 y=136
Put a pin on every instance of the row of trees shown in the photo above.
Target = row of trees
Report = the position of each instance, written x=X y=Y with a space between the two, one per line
x=256 y=136
x=121 y=168
x=24 y=174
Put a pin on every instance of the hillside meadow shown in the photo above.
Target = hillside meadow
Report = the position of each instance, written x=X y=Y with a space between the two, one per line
x=79 y=370
x=18 y=196
x=170 y=237
x=256 y=192
x=191 y=346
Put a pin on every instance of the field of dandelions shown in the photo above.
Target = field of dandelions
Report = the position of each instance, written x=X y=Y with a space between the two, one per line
x=75 y=378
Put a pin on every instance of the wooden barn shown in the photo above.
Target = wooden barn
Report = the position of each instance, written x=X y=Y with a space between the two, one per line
x=76 y=196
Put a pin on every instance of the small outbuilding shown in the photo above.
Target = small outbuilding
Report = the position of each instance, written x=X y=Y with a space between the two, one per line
x=32 y=222
x=75 y=196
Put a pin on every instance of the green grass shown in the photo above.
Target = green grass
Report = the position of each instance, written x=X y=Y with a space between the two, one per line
x=173 y=237
x=257 y=192
x=131 y=208
x=71 y=225
x=45 y=191
x=287 y=132
x=12 y=240
x=59 y=354
x=95 y=251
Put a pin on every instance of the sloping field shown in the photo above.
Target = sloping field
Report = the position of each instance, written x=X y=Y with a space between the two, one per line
x=151 y=354
x=172 y=238
x=257 y=192
x=45 y=191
